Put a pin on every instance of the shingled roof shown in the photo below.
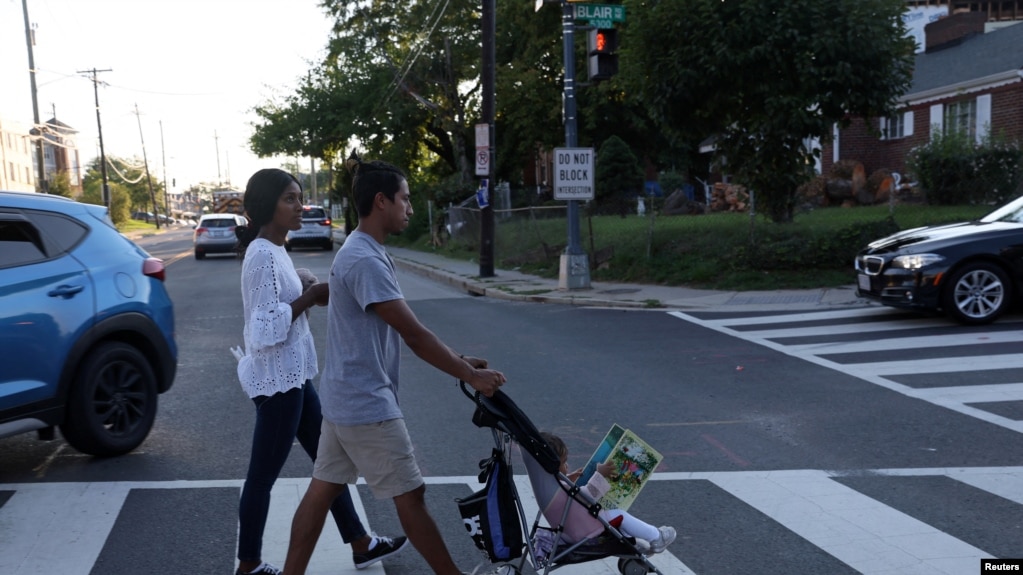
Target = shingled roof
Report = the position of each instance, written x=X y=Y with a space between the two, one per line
x=979 y=61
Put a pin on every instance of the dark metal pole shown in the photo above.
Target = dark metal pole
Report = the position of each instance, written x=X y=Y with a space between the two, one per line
x=487 y=232
x=40 y=168
x=575 y=266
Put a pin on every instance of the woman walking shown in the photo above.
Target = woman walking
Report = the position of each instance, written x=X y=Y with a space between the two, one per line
x=277 y=368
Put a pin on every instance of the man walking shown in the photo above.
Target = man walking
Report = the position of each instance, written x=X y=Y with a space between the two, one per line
x=363 y=427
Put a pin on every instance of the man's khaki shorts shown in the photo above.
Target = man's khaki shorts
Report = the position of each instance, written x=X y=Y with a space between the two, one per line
x=379 y=452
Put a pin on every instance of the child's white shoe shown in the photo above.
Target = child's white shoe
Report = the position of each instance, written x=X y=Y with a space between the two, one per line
x=665 y=539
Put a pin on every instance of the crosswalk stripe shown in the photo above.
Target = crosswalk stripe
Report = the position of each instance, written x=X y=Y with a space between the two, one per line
x=958 y=398
x=70 y=523
x=858 y=530
x=62 y=527
x=923 y=342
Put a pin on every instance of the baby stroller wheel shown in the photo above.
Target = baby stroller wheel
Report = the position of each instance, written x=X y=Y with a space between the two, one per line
x=507 y=569
x=627 y=566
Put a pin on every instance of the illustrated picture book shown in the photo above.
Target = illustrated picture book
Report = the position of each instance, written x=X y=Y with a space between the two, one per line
x=632 y=460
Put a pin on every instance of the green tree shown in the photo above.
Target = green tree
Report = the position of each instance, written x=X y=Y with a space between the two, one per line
x=399 y=84
x=767 y=77
x=61 y=185
x=120 y=199
x=618 y=177
x=130 y=176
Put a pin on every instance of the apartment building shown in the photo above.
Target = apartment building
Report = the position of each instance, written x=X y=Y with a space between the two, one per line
x=17 y=168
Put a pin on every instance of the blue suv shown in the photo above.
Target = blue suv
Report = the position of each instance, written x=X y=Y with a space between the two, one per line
x=86 y=326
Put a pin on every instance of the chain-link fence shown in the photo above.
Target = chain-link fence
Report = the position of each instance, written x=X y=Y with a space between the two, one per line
x=533 y=233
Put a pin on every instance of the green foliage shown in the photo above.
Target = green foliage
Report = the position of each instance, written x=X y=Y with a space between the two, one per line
x=618 y=177
x=130 y=178
x=61 y=185
x=764 y=77
x=671 y=181
x=954 y=169
x=120 y=200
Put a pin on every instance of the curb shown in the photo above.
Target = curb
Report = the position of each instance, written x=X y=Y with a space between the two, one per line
x=481 y=288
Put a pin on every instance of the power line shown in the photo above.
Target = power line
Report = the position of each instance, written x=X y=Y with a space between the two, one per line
x=411 y=58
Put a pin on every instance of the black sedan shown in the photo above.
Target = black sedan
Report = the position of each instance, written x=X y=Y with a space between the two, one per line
x=972 y=271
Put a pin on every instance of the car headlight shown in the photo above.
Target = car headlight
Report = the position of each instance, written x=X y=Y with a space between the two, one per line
x=916 y=261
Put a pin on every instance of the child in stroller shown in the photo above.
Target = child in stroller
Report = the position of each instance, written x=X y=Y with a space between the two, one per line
x=653 y=539
x=575 y=532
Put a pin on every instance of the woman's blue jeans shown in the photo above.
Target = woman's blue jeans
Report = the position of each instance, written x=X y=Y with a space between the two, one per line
x=280 y=419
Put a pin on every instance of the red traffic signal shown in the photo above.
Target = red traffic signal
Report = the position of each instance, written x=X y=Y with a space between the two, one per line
x=601 y=46
x=603 y=41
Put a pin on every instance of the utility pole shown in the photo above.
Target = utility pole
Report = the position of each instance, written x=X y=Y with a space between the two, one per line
x=163 y=154
x=145 y=162
x=99 y=127
x=312 y=181
x=487 y=71
x=216 y=144
x=29 y=41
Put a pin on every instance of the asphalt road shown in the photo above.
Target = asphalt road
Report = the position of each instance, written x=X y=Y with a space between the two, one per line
x=774 y=462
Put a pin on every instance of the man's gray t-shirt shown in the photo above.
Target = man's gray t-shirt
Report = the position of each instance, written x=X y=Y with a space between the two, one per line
x=359 y=383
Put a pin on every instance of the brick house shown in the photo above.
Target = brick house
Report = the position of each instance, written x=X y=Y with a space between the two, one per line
x=965 y=79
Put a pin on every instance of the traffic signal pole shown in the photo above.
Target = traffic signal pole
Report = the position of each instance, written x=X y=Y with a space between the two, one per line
x=488 y=71
x=574 y=271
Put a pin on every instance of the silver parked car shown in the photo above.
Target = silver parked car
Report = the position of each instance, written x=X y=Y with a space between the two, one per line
x=214 y=234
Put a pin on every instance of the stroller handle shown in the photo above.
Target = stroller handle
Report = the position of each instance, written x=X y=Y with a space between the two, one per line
x=473 y=394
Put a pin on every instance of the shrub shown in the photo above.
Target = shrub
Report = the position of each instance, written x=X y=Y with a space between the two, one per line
x=954 y=169
x=618 y=177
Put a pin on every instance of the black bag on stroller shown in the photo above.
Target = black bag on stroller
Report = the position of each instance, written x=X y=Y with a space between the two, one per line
x=490 y=515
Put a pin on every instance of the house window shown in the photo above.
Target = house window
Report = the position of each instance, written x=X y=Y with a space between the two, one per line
x=961 y=117
x=899 y=125
x=896 y=126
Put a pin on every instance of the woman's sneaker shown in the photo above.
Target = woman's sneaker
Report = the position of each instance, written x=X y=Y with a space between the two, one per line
x=665 y=539
x=385 y=546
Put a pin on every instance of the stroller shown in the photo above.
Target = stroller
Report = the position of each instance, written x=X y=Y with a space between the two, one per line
x=573 y=531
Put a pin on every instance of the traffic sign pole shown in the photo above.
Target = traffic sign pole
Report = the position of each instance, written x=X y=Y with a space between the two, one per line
x=487 y=226
x=574 y=270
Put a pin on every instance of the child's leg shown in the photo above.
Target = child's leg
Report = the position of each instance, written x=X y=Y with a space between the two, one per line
x=632 y=526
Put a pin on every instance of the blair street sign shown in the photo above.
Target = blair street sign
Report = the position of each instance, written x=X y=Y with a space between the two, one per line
x=603 y=12
x=573 y=173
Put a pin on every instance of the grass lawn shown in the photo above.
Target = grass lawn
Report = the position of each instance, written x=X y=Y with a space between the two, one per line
x=717 y=251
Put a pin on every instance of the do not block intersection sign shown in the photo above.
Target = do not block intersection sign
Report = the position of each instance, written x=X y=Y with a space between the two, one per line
x=573 y=173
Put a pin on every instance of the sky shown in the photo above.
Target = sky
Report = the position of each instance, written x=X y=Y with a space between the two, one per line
x=194 y=68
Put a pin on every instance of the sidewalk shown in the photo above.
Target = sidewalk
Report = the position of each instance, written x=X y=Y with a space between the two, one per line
x=516 y=286
x=512 y=285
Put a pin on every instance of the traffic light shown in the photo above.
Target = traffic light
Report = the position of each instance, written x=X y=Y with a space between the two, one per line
x=602 y=44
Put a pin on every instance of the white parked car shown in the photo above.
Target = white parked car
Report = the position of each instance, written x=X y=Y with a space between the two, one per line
x=316 y=230
x=214 y=234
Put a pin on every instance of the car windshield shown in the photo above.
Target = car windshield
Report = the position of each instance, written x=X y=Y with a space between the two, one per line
x=1010 y=212
x=218 y=223
x=317 y=213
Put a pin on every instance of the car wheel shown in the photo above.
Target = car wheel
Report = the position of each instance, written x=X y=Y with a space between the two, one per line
x=112 y=402
x=329 y=245
x=199 y=255
x=977 y=294
x=287 y=246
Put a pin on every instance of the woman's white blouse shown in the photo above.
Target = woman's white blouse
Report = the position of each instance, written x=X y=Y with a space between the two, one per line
x=279 y=353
